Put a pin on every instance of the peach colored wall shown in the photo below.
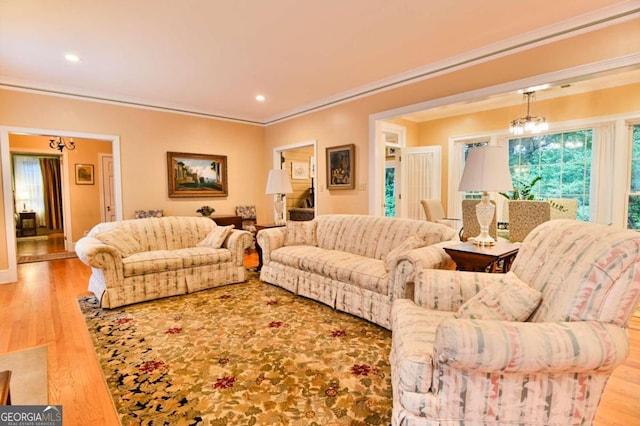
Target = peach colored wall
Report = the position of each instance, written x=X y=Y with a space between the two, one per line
x=84 y=200
x=605 y=102
x=145 y=137
x=349 y=122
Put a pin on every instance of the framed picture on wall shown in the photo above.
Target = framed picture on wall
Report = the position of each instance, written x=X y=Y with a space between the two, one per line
x=197 y=175
x=84 y=174
x=299 y=170
x=341 y=167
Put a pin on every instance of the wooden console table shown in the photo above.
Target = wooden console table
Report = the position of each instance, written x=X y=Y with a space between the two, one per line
x=471 y=257
x=226 y=220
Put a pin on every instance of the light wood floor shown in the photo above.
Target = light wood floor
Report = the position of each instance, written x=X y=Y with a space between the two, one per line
x=41 y=308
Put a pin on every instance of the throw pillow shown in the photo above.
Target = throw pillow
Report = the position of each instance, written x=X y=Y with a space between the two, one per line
x=301 y=233
x=216 y=237
x=410 y=243
x=507 y=300
x=121 y=240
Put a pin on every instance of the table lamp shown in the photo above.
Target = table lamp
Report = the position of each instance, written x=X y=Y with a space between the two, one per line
x=278 y=184
x=486 y=169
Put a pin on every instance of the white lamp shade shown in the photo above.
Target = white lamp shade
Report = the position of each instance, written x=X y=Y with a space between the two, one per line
x=278 y=182
x=486 y=169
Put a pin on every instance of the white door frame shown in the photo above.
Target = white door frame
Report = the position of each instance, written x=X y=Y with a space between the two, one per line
x=377 y=160
x=10 y=274
x=276 y=165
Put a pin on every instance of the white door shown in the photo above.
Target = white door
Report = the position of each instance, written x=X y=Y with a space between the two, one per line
x=420 y=175
x=107 y=198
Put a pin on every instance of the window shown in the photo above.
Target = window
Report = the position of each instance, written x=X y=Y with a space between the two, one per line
x=390 y=190
x=562 y=160
x=633 y=208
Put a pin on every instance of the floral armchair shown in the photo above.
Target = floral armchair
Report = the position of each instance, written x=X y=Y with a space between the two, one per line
x=535 y=346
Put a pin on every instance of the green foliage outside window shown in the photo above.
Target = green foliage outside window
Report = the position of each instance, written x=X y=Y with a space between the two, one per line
x=561 y=160
x=390 y=192
x=633 y=215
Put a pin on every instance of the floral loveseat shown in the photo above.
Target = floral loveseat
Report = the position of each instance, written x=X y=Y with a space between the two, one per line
x=349 y=262
x=143 y=259
x=535 y=346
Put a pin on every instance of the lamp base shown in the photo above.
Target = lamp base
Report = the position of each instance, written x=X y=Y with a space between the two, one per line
x=484 y=213
x=279 y=207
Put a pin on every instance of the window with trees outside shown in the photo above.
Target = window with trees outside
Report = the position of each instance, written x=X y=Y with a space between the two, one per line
x=562 y=160
x=633 y=208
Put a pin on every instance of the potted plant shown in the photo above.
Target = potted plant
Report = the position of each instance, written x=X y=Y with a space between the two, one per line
x=206 y=211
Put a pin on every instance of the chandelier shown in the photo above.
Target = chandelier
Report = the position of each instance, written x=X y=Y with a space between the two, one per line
x=529 y=123
x=59 y=144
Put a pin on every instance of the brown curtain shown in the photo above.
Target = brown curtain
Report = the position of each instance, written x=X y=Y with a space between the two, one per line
x=52 y=192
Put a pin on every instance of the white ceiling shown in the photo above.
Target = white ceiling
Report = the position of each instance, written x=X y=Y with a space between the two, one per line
x=212 y=57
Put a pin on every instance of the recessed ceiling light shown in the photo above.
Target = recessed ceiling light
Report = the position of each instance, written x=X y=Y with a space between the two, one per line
x=260 y=98
x=72 y=57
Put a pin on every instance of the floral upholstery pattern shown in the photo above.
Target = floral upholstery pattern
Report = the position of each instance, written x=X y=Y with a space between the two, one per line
x=549 y=370
x=248 y=215
x=141 y=214
x=165 y=261
x=346 y=266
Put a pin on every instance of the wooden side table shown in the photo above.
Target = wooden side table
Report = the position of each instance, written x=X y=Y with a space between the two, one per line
x=258 y=248
x=28 y=224
x=470 y=257
x=5 y=387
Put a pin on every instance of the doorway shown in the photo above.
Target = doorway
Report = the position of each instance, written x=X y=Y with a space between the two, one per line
x=38 y=203
x=300 y=161
x=73 y=229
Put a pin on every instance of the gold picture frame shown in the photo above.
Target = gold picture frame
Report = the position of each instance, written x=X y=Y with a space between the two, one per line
x=197 y=175
x=341 y=167
x=84 y=174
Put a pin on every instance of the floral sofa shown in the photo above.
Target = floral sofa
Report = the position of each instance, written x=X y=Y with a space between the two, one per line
x=535 y=346
x=143 y=259
x=349 y=262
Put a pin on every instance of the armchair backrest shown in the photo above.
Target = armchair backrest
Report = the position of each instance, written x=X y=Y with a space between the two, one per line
x=433 y=209
x=585 y=271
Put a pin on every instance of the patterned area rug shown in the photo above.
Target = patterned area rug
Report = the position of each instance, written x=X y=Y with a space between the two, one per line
x=243 y=354
x=46 y=257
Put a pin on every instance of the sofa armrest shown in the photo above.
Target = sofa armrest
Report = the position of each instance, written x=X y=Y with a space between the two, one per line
x=413 y=264
x=238 y=241
x=105 y=257
x=524 y=347
x=97 y=254
x=270 y=239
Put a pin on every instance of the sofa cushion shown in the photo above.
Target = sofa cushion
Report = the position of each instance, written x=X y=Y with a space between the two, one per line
x=148 y=262
x=364 y=272
x=121 y=240
x=301 y=233
x=198 y=256
x=414 y=331
x=507 y=300
x=409 y=244
x=215 y=238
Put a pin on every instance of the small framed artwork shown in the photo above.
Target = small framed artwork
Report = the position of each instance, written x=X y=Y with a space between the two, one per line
x=341 y=167
x=299 y=170
x=84 y=174
x=197 y=175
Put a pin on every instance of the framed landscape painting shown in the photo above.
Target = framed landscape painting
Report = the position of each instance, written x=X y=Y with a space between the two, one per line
x=197 y=175
x=84 y=174
x=341 y=167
